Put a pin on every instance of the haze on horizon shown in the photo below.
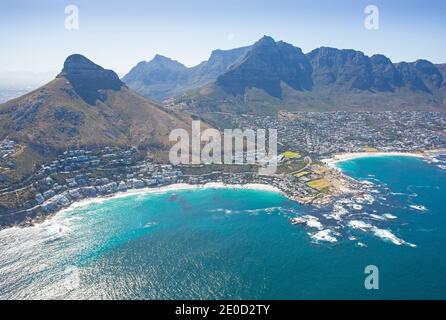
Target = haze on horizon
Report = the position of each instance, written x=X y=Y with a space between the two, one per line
x=119 y=34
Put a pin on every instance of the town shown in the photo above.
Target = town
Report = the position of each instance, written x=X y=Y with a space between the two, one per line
x=304 y=140
x=79 y=174
x=322 y=134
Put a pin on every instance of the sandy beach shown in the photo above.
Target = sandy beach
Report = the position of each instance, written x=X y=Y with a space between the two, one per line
x=172 y=188
x=355 y=155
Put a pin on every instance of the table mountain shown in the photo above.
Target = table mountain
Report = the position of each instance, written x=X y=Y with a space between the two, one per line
x=266 y=65
x=276 y=75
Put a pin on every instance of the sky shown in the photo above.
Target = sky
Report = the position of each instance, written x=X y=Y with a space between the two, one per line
x=119 y=34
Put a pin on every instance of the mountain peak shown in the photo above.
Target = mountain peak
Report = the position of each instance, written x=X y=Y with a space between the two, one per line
x=166 y=62
x=159 y=70
x=266 y=66
x=79 y=62
x=87 y=78
x=265 y=41
x=163 y=77
x=160 y=57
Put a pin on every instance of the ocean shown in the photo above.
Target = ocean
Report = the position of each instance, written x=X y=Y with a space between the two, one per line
x=239 y=244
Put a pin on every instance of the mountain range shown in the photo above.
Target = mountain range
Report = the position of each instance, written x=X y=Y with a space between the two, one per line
x=163 y=77
x=273 y=75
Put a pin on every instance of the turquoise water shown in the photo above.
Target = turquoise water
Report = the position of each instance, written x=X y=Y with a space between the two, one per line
x=238 y=244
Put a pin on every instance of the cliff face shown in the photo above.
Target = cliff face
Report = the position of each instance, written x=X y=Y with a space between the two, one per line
x=266 y=66
x=87 y=78
x=276 y=75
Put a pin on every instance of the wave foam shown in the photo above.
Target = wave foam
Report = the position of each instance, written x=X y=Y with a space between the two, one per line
x=309 y=221
x=324 y=235
x=384 y=234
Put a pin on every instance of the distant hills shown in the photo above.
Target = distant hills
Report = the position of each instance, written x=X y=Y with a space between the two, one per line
x=162 y=77
x=24 y=80
x=272 y=75
x=87 y=106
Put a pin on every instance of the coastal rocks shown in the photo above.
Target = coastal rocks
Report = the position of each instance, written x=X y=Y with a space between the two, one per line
x=326 y=235
x=361 y=211
x=360 y=225
x=389 y=216
x=365 y=198
x=377 y=217
x=338 y=211
x=419 y=208
x=309 y=221
x=380 y=233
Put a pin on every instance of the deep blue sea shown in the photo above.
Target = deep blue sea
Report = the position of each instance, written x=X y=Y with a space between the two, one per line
x=240 y=244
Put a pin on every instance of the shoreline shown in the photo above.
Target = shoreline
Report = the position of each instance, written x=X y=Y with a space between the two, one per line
x=171 y=188
x=341 y=157
x=145 y=191
x=329 y=162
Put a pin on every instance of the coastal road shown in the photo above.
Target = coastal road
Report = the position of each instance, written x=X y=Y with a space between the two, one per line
x=309 y=163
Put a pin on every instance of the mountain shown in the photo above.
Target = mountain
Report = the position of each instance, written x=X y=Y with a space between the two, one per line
x=266 y=65
x=163 y=77
x=87 y=106
x=156 y=78
x=350 y=69
x=276 y=75
x=442 y=69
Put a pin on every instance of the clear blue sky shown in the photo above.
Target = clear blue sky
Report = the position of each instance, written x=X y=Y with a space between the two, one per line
x=118 y=34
